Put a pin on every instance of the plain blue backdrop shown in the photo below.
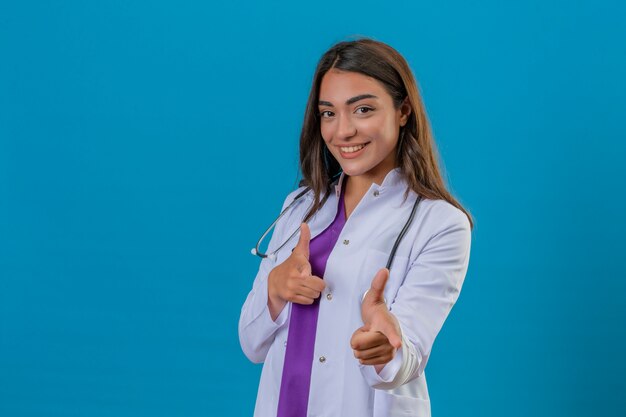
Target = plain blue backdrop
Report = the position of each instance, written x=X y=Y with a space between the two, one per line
x=145 y=145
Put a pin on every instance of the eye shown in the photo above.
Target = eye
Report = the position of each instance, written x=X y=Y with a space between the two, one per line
x=363 y=110
x=326 y=114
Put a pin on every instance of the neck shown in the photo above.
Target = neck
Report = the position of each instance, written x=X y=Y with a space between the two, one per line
x=357 y=186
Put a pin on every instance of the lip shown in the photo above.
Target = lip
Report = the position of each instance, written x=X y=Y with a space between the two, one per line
x=352 y=155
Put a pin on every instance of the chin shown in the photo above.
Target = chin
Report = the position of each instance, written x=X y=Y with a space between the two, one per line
x=352 y=170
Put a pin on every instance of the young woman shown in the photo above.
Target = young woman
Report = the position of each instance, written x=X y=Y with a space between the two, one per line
x=344 y=316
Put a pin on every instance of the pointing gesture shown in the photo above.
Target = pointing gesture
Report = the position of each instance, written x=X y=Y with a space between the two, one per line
x=302 y=247
x=293 y=280
x=378 y=340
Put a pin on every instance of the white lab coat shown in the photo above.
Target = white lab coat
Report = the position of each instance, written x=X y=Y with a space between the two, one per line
x=425 y=281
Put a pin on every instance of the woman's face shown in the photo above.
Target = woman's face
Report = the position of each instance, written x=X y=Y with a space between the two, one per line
x=359 y=123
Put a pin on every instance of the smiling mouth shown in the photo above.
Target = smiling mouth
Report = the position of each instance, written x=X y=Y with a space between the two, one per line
x=352 y=149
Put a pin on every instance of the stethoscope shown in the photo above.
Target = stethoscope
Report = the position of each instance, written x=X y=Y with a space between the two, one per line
x=297 y=199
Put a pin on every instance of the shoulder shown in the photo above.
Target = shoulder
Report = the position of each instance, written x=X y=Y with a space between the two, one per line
x=438 y=216
x=441 y=231
x=301 y=192
x=305 y=193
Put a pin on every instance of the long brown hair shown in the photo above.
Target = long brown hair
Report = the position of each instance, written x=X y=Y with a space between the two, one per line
x=417 y=155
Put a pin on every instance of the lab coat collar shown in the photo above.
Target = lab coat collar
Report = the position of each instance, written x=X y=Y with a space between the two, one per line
x=393 y=178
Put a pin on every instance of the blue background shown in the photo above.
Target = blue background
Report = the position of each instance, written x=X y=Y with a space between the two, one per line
x=144 y=146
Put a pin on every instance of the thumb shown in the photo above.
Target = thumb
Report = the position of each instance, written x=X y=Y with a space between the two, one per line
x=377 y=288
x=303 y=244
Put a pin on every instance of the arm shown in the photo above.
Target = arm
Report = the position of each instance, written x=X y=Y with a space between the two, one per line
x=424 y=300
x=256 y=327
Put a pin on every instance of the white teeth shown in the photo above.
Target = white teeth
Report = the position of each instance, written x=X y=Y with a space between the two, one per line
x=350 y=149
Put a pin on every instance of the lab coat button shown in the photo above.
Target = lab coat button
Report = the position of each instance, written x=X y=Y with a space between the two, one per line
x=322 y=359
x=329 y=296
x=346 y=242
x=376 y=193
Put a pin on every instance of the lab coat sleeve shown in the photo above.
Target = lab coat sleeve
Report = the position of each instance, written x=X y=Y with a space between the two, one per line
x=256 y=327
x=424 y=300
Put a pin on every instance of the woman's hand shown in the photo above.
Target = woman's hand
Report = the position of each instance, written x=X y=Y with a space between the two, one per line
x=378 y=340
x=292 y=280
x=372 y=347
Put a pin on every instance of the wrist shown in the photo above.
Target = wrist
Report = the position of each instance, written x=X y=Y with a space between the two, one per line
x=272 y=294
x=275 y=303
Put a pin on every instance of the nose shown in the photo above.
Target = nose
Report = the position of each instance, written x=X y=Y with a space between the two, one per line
x=345 y=127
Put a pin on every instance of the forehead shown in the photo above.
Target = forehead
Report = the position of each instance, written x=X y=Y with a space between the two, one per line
x=338 y=86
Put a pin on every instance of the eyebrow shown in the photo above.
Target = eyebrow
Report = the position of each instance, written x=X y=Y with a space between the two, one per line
x=349 y=101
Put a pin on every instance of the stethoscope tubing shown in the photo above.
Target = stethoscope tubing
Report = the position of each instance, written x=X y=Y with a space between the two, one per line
x=403 y=232
x=256 y=251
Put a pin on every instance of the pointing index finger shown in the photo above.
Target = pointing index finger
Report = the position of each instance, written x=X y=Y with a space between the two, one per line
x=302 y=246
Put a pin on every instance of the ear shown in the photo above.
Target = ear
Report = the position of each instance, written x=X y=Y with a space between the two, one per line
x=405 y=111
